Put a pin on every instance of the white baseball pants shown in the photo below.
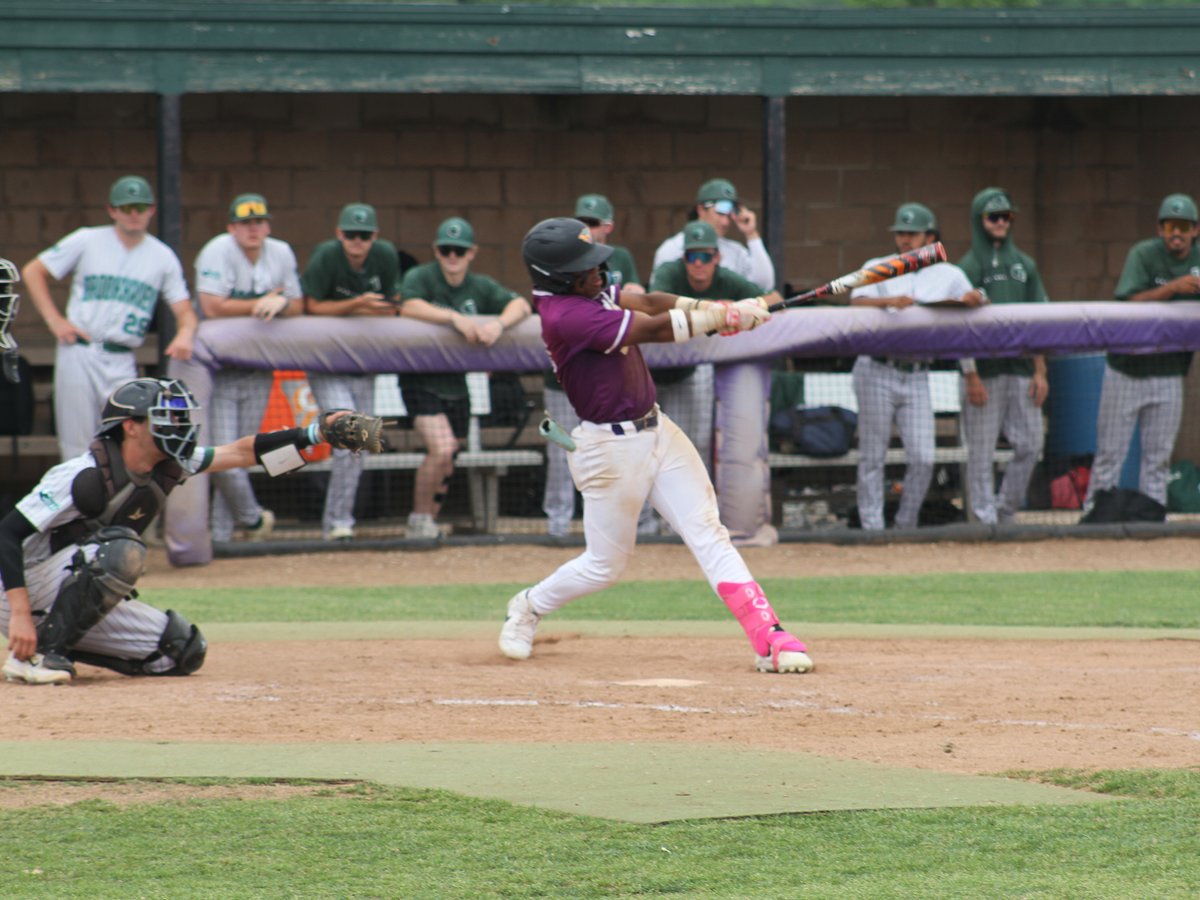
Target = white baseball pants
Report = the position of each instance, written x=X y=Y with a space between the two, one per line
x=342 y=392
x=84 y=376
x=1009 y=409
x=239 y=400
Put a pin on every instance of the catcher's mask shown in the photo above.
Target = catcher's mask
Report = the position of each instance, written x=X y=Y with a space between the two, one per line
x=557 y=250
x=10 y=277
x=166 y=403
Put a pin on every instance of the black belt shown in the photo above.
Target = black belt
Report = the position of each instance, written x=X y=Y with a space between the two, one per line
x=649 y=420
x=106 y=345
x=900 y=364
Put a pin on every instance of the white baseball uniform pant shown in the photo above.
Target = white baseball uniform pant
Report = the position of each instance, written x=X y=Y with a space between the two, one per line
x=690 y=405
x=239 y=400
x=1153 y=402
x=1010 y=410
x=616 y=474
x=84 y=376
x=887 y=394
x=342 y=392
x=130 y=631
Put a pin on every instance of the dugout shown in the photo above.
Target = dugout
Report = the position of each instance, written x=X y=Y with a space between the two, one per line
x=824 y=118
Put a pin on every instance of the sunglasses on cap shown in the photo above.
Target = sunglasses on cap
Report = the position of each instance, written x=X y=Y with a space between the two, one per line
x=359 y=235
x=133 y=207
x=999 y=217
x=1182 y=226
x=588 y=221
x=699 y=256
x=250 y=209
x=451 y=250
x=721 y=207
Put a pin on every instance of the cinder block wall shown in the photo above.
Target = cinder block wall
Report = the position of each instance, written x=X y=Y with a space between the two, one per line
x=1087 y=173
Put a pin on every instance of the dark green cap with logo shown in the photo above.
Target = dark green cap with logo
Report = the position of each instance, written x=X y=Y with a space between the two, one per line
x=1177 y=206
x=248 y=206
x=455 y=232
x=130 y=189
x=358 y=217
x=699 y=236
x=594 y=206
x=914 y=217
x=717 y=189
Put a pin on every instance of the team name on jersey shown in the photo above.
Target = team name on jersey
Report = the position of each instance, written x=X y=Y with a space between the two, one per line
x=133 y=293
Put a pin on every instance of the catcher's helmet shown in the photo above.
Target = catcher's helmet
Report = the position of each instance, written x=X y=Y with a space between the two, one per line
x=166 y=403
x=556 y=250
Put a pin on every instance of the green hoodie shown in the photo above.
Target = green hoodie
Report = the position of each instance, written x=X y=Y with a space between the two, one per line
x=1007 y=274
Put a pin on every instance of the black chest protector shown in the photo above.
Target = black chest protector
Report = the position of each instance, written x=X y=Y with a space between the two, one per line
x=108 y=494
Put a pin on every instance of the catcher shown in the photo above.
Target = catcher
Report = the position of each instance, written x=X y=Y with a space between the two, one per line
x=71 y=551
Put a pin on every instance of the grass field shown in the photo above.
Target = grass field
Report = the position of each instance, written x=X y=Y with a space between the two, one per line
x=374 y=841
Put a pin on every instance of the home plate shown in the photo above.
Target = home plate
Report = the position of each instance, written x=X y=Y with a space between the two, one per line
x=660 y=682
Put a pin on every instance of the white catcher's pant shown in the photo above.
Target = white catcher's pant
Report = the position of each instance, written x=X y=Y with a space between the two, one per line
x=131 y=631
x=1009 y=409
x=615 y=474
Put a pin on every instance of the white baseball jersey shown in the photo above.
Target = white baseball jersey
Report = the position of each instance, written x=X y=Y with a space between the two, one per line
x=114 y=291
x=750 y=261
x=223 y=270
x=933 y=284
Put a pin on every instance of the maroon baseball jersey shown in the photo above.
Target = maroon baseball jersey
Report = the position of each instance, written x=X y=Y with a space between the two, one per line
x=605 y=381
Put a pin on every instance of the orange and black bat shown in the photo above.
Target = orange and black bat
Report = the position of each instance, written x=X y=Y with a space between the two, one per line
x=899 y=264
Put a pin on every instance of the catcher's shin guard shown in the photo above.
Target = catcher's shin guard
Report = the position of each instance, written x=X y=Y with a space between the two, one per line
x=91 y=591
x=181 y=642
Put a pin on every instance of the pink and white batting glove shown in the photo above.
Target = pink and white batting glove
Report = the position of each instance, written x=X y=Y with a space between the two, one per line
x=753 y=312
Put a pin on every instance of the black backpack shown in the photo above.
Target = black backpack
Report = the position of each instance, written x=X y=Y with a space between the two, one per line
x=822 y=431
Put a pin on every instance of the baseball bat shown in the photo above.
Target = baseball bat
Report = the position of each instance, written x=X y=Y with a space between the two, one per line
x=899 y=264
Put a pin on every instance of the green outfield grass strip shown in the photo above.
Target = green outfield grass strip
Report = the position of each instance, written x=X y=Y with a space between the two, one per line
x=632 y=782
x=233 y=632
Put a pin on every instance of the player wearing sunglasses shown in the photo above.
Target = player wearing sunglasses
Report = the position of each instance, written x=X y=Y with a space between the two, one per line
x=1003 y=394
x=356 y=274
x=717 y=204
x=446 y=292
x=1146 y=390
x=118 y=271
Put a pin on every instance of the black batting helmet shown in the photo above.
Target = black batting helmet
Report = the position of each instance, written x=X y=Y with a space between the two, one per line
x=166 y=403
x=556 y=250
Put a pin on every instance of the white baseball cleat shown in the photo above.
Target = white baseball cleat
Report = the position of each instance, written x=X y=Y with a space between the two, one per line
x=516 y=637
x=33 y=671
x=421 y=527
x=262 y=530
x=787 y=655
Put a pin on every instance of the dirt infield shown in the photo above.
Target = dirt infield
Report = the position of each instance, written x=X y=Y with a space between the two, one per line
x=968 y=706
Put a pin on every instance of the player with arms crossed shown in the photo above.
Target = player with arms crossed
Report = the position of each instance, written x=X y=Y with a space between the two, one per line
x=626 y=449
x=71 y=551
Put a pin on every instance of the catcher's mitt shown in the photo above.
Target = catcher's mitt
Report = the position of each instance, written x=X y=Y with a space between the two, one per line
x=354 y=431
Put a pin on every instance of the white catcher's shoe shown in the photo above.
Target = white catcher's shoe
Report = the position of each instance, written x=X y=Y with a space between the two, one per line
x=32 y=671
x=516 y=637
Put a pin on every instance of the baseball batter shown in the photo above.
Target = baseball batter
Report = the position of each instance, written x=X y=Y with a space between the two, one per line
x=1147 y=389
x=717 y=204
x=357 y=274
x=244 y=272
x=120 y=271
x=1003 y=394
x=897 y=390
x=558 y=499
x=71 y=550
x=626 y=449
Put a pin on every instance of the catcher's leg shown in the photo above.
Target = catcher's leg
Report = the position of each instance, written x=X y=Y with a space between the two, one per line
x=180 y=650
x=94 y=587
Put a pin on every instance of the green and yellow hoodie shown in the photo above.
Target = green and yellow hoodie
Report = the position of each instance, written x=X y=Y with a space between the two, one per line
x=1007 y=274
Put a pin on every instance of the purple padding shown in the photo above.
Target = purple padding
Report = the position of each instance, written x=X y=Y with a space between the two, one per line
x=324 y=344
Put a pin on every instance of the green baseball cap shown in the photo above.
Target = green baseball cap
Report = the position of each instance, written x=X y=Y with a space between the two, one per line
x=717 y=189
x=999 y=202
x=914 y=217
x=130 y=189
x=248 y=206
x=594 y=206
x=1178 y=206
x=699 y=236
x=358 y=217
x=455 y=232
